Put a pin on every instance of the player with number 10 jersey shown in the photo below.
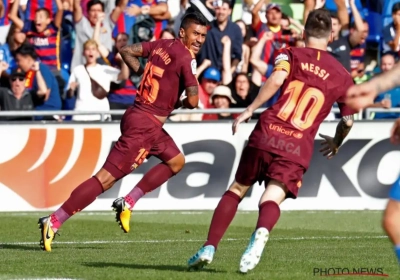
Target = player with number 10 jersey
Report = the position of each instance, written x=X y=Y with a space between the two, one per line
x=281 y=145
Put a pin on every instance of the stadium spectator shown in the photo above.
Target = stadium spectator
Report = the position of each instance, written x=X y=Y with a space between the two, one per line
x=343 y=40
x=221 y=98
x=43 y=34
x=156 y=9
x=167 y=33
x=212 y=48
x=85 y=26
x=122 y=94
x=391 y=32
x=277 y=36
x=16 y=97
x=357 y=53
x=4 y=20
x=209 y=81
x=36 y=72
x=388 y=99
x=87 y=76
x=15 y=38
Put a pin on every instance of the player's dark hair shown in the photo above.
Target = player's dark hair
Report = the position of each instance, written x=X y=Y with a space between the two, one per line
x=94 y=2
x=395 y=7
x=44 y=10
x=27 y=49
x=318 y=24
x=194 y=17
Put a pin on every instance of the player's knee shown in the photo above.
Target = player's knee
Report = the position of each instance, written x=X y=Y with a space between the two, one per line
x=105 y=178
x=239 y=189
x=177 y=163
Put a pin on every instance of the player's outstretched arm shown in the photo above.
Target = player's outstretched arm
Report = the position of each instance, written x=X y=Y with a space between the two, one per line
x=330 y=146
x=130 y=56
x=362 y=95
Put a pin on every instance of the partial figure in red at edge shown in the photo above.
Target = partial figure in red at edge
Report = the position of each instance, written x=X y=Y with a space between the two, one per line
x=170 y=70
x=280 y=147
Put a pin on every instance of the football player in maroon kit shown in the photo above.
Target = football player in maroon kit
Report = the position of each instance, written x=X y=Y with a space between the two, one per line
x=280 y=147
x=170 y=70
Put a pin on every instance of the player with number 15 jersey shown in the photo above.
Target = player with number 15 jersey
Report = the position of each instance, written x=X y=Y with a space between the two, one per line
x=170 y=69
x=281 y=145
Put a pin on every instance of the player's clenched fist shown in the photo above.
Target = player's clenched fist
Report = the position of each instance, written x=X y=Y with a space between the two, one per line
x=361 y=96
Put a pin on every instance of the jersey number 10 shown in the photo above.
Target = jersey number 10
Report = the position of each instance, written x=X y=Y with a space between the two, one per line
x=303 y=108
x=151 y=86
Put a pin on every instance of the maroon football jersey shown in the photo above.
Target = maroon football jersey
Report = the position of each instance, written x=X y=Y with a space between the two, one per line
x=315 y=81
x=171 y=67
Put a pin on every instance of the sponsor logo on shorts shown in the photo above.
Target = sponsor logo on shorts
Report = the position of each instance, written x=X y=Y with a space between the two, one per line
x=285 y=131
x=142 y=155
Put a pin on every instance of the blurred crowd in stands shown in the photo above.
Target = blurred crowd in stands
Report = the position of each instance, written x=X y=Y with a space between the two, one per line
x=63 y=54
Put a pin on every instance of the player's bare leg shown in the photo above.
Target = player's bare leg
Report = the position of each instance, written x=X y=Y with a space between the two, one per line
x=153 y=179
x=269 y=213
x=222 y=218
x=80 y=198
x=391 y=224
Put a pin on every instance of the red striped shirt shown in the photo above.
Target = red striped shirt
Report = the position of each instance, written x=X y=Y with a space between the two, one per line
x=46 y=43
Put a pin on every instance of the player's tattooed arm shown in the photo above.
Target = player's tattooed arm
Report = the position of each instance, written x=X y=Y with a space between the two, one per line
x=192 y=99
x=130 y=55
x=342 y=130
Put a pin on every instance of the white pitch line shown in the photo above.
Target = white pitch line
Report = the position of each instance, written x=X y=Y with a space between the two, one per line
x=305 y=238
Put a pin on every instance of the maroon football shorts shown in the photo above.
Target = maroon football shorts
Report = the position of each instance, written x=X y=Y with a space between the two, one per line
x=258 y=165
x=142 y=136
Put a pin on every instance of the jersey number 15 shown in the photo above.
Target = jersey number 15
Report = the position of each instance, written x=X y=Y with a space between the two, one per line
x=305 y=108
x=149 y=89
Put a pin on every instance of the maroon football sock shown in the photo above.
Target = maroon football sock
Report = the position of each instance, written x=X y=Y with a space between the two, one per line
x=268 y=216
x=153 y=179
x=79 y=199
x=222 y=218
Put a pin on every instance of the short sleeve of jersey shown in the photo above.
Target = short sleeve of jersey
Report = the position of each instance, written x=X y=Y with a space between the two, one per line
x=344 y=109
x=188 y=71
x=283 y=61
x=148 y=47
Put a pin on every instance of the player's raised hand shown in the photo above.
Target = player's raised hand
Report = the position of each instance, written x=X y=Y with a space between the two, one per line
x=395 y=133
x=244 y=117
x=360 y=96
x=329 y=147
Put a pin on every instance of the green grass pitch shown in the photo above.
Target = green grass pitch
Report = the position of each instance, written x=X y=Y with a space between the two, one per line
x=92 y=246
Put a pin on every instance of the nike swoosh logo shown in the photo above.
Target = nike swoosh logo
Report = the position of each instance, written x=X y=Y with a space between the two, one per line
x=47 y=232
